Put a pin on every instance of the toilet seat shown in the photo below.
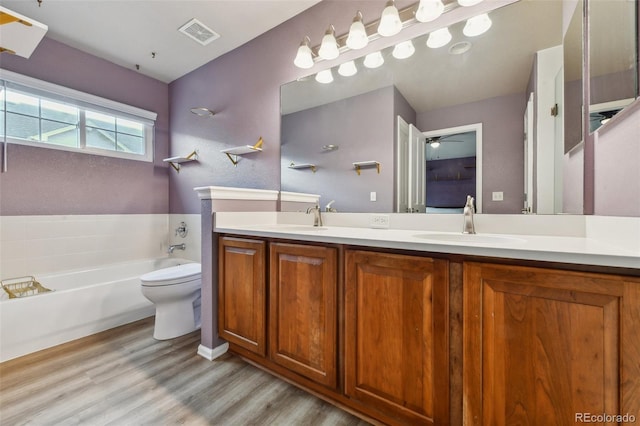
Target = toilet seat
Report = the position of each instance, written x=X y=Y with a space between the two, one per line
x=173 y=275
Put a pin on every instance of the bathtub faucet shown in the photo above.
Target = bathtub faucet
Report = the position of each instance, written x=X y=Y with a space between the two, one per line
x=172 y=247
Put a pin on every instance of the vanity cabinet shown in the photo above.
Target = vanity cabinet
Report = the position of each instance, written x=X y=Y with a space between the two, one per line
x=242 y=293
x=303 y=310
x=410 y=338
x=396 y=335
x=544 y=346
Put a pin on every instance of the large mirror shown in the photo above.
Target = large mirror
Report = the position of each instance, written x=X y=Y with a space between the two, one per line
x=341 y=139
x=613 y=61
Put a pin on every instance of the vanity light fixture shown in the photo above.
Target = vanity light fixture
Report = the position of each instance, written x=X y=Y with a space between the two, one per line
x=347 y=69
x=439 y=38
x=429 y=10
x=329 y=46
x=304 y=57
x=467 y=3
x=202 y=112
x=477 y=25
x=373 y=60
x=324 y=76
x=403 y=50
x=357 y=38
x=390 y=23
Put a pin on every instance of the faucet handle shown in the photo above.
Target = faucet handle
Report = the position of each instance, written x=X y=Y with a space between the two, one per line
x=328 y=207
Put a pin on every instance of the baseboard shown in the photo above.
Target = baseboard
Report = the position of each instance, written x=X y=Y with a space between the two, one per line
x=211 y=354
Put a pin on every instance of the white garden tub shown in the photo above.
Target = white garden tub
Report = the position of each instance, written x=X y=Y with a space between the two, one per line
x=83 y=302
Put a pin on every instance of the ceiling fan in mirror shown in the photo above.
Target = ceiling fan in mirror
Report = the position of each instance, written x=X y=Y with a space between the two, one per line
x=435 y=141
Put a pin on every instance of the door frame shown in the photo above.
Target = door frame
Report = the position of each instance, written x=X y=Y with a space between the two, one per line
x=477 y=128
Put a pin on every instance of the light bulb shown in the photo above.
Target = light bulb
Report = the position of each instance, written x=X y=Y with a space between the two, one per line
x=390 y=23
x=434 y=144
x=304 y=57
x=324 y=76
x=357 y=38
x=477 y=25
x=347 y=69
x=429 y=10
x=439 y=38
x=403 y=50
x=373 y=60
x=329 y=46
x=467 y=3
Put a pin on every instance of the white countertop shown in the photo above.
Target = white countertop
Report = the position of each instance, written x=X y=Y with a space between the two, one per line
x=565 y=249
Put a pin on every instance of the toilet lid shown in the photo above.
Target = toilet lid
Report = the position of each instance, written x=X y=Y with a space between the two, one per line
x=172 y=275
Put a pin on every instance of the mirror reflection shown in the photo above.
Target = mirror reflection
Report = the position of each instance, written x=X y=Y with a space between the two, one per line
x=502 y=80
x=613 y=58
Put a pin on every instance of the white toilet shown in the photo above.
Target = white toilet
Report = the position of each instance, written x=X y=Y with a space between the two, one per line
x=176 y=293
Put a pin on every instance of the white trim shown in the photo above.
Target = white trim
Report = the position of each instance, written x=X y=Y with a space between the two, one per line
x=230 y=193
x=147 y=157
x=75 y=94
x=211 y=354
x=477 y=127
x=605 y=106
x=299 y=197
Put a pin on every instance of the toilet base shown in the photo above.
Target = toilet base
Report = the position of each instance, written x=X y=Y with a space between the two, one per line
x=171 y=322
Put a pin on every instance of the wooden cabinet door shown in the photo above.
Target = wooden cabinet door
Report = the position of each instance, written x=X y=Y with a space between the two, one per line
x=545 y=347
x=396 y=335
x=241 y=293
x=303 y=315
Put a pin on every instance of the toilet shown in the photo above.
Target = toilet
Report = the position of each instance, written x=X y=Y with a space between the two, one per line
x=176 y=293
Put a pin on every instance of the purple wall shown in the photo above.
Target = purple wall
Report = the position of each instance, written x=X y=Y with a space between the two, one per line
x=449 y=181
x=243 y=88
x=364 y=128
x=617 y=188
x=502 y=121
x=42 y=181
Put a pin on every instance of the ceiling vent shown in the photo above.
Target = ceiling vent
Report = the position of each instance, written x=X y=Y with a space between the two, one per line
x=199 y=32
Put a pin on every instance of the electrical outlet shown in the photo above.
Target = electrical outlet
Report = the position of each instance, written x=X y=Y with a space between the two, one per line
x=373 y=196
x=379 y=221
x=497 y=196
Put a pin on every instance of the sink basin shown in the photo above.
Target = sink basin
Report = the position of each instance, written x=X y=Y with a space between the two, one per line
x=470 y=238
x=295 y=228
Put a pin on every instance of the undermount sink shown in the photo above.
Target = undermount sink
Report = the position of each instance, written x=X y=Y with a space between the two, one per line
x=470 y=238
x=295 y=228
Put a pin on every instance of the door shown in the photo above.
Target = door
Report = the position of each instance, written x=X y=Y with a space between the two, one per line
x=528 y=157
x=417 y=171
x=402 y=166
x=542 y=346
x=396 y=335
x=241 y=293
x=559 y=143
x=302 y=310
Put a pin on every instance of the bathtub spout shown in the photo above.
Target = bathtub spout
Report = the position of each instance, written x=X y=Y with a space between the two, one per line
x=172 y=247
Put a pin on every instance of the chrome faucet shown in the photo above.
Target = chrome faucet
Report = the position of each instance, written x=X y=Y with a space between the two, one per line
x=172 y=247
x=330 y=209
x=317 y=215
x=468 y=212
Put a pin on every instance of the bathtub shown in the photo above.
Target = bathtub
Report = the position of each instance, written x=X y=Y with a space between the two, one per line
x=83 y=302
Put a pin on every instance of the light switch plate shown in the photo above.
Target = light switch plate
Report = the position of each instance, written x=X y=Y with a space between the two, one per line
x=497 y=196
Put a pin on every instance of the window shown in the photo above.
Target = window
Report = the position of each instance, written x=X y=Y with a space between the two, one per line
x=38 y=113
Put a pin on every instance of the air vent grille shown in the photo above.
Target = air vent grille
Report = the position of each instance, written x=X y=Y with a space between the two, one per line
x=199 y=32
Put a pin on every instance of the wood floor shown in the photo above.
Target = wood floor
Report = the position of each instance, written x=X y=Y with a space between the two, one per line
x=125 y=377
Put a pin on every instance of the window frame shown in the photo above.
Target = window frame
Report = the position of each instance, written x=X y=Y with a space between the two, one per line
x=83 y=101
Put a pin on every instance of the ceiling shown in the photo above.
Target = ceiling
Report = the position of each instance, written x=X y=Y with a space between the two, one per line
x=127 y=32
